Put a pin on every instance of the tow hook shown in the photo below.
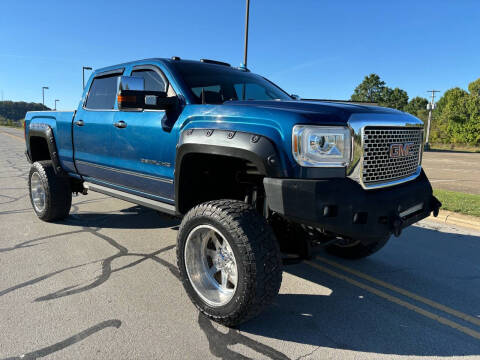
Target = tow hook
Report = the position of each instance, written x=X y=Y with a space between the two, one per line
x=397 y=226
x=435 y=205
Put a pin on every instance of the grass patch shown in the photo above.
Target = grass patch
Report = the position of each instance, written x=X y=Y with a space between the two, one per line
x=467 y=204
x=455 y=147
x=16 y=125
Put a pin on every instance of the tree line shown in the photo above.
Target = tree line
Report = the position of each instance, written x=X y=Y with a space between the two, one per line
x=13 y=112
x=456 y=118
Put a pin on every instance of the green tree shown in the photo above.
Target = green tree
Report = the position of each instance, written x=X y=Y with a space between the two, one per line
x=16 y=110
x=371 y=89
x=474 y=87
x=451 y=117
x=472 y=126
x=396 y=98
x=418 y=107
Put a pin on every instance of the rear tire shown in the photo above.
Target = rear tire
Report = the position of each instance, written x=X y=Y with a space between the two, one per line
x=355 y=249
x=50 y=194
x=252 y=260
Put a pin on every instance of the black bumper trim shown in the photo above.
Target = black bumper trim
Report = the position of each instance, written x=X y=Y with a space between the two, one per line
x=340 y=206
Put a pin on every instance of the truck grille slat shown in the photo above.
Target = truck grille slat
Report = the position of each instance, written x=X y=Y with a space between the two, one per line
x=378 y=165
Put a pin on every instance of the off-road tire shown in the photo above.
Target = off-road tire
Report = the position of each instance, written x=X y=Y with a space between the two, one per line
x=58 y=194
x=256 y=252
x=357 y=251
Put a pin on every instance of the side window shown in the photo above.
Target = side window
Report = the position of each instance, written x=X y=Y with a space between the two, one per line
x=153 y=81
x=102 y=93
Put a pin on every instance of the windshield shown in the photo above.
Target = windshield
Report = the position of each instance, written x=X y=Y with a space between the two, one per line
x=215 y=84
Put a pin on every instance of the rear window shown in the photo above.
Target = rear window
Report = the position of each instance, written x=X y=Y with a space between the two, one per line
x=102 y=93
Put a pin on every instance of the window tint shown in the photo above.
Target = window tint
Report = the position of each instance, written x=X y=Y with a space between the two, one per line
x=222 y=83
x=153 y=81
x=102 y=93
x=253 y=92
x=198 y=90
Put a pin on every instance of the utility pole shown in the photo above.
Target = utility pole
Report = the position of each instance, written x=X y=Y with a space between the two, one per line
x=43 y=94
x=246 y=34
x=56 y=100
x=83 y=74
x=430 y=107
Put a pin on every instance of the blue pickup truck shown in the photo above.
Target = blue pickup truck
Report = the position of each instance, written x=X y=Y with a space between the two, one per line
x=251 y=170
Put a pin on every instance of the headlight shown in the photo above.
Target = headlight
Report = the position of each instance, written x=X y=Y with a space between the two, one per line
x=316 y=146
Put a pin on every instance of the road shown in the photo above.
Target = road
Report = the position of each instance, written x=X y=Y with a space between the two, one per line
x=455 y=171
x=103 y=285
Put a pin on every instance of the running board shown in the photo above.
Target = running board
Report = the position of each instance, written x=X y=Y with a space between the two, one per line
x=157 y=205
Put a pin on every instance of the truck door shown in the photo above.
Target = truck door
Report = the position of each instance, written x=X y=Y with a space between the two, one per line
x=145 y=151
x=93 y=128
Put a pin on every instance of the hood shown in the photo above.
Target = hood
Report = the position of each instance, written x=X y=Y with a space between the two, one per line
x=316 y=109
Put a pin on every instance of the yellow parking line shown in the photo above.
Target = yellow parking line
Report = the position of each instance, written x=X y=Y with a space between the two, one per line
x=403 y=292
x=398 y=301
x=13 y=136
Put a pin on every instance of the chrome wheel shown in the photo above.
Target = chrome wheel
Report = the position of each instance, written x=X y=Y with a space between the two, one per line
x=211 y=265
x=37 y=192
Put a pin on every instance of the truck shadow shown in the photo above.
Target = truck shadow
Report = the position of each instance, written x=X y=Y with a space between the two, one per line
x=442 y=267
x=134 y=217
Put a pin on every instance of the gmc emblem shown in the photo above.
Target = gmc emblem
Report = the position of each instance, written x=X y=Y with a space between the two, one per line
x=400 y=150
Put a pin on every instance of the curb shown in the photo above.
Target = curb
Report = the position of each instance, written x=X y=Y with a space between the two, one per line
x=451 y=218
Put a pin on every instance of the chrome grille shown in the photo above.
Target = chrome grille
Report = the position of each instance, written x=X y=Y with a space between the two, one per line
x=378 y=165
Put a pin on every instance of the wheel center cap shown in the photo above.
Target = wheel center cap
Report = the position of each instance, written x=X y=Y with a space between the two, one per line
x=222 y=260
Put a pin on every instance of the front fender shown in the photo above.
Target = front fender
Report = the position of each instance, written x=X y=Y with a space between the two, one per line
x=254 y=148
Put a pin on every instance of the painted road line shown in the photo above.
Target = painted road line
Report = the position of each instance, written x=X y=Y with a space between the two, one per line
x=393 y=299
x=406 y=293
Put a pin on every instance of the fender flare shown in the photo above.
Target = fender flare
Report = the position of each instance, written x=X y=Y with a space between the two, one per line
x=45 y=131
x=254 y=148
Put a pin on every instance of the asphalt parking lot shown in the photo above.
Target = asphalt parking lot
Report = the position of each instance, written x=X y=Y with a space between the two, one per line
x=103 y=284
x=455 y=171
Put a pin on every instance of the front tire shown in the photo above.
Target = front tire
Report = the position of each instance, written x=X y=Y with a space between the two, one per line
x=229 y=261
x=50 y=194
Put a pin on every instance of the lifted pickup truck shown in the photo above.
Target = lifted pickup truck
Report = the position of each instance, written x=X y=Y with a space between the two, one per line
x=251 y=169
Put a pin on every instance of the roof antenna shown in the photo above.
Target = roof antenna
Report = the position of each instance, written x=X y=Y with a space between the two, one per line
x=244 y=65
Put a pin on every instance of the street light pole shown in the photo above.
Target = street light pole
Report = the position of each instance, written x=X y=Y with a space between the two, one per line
x=43 y=94
x=246 y=34
x=83 y=74
x=56 y=100
x=430 y=107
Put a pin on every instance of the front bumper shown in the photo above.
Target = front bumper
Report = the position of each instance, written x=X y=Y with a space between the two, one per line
x=340 y=206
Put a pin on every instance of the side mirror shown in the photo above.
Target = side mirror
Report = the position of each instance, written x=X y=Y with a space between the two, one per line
x=133 y=97
x=295 y=97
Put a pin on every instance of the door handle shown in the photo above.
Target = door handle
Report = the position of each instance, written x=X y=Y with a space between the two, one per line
x=79 y=123
x=120 y=124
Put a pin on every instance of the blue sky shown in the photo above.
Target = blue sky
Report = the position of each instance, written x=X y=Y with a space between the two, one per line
x=314 y=48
